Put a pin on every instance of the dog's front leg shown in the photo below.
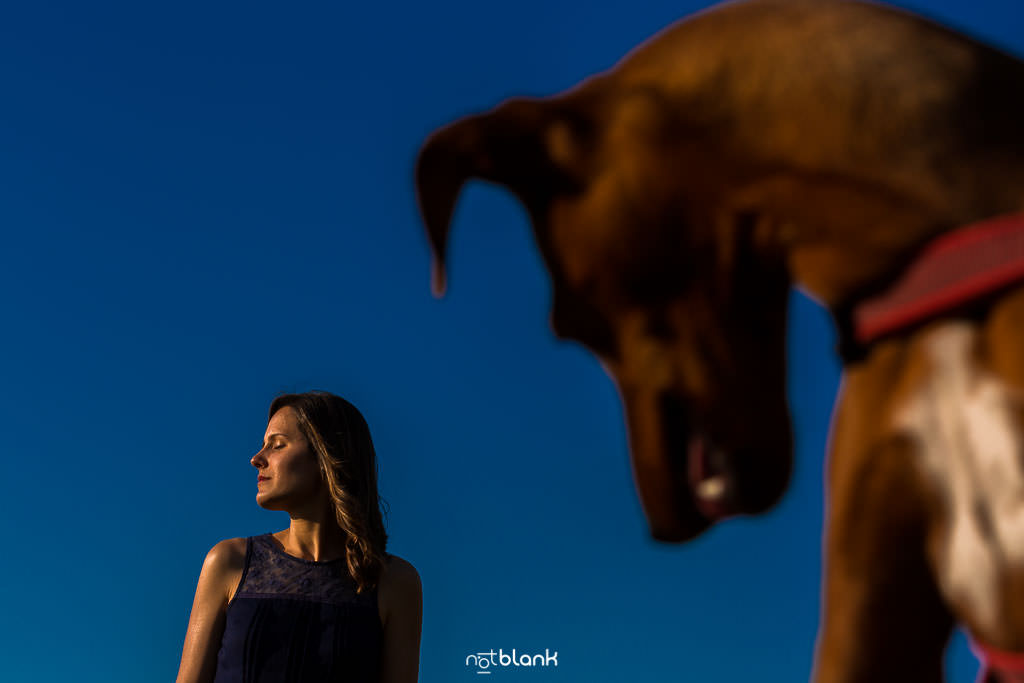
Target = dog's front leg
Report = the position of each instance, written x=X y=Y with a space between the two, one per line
x=883 y=617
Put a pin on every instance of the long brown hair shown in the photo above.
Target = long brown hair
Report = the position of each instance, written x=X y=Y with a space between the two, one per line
x=340 y=438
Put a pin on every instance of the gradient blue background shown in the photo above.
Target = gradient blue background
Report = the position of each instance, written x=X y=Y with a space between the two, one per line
x=205 y=204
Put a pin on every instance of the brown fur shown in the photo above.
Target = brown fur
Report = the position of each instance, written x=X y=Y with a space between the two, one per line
x=675 y=200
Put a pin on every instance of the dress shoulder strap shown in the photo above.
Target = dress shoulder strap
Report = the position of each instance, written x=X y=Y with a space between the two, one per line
x=245 y=568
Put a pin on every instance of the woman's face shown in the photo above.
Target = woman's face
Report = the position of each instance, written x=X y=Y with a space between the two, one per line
x=289 y=473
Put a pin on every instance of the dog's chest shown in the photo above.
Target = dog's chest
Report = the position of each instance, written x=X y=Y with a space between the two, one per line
x=969 y=444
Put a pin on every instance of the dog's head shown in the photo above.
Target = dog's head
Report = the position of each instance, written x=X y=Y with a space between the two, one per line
x=681 y=298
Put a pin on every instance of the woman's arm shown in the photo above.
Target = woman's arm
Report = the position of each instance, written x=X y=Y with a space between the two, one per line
x=401 y=598
x=221 y=571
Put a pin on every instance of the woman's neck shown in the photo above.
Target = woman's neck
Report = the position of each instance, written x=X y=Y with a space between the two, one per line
x=316 y=538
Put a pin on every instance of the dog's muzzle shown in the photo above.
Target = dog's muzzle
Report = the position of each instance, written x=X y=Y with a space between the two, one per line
x=688 y=480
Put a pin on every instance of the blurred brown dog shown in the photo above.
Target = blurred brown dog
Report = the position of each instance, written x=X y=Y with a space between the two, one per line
x=677 y=198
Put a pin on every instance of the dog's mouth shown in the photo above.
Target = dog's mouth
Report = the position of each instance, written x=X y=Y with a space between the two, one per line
x=688 y=479
x=712 y=479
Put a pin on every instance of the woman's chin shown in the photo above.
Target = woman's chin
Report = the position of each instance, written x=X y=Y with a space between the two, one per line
x=267 y=502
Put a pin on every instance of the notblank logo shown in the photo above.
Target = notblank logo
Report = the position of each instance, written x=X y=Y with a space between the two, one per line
x=486 y=662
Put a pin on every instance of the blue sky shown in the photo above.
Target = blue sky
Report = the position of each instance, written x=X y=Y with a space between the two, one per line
x=207 y=204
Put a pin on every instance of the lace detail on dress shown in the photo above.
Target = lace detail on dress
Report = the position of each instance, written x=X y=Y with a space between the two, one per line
x=272 y=572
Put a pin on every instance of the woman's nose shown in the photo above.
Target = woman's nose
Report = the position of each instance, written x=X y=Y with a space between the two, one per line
x=258 y=460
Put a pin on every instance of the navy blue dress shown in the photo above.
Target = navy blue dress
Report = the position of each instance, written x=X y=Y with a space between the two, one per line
x=293 y=620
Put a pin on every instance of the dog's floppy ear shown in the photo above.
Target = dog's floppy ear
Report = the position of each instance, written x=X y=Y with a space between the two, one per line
x=520 y=144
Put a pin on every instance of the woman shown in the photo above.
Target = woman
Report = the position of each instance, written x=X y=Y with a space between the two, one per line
x=320 y=600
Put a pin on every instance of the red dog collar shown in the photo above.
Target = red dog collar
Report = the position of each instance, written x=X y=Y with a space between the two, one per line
x=998 y=666
x=953 y=269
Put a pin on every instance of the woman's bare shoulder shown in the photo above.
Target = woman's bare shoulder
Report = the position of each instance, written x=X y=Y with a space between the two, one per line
x=224 y=565
x=401 y=617
x=398 y=570
x=227 y=553
x=400 y=585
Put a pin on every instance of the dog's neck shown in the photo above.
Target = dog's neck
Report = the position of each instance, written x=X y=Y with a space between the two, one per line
x=859 y=249
x=844 y=244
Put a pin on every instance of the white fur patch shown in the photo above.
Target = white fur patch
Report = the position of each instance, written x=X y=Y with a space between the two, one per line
x=961 y=419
